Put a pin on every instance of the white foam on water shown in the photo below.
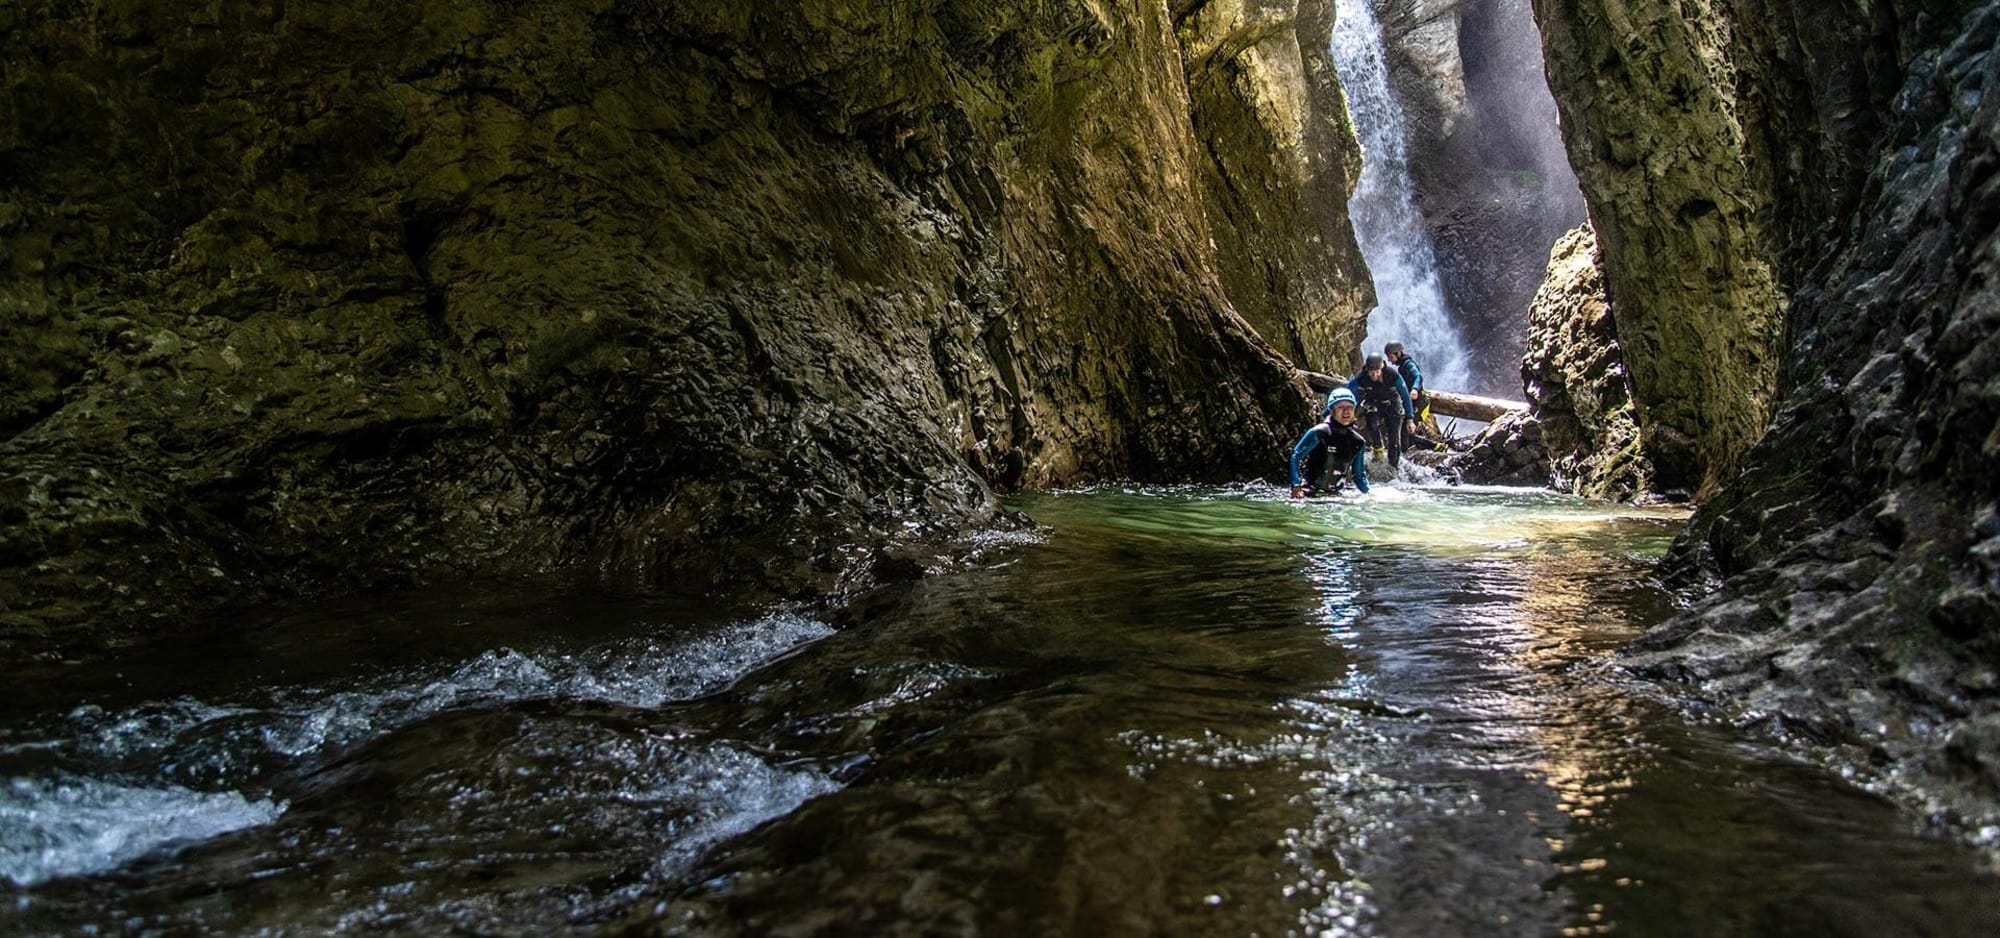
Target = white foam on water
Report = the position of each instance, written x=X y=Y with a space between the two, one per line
x=76 y=821
x=1394 y=492
x=733 y=792
x=295 y=722
x=51 y=828
x=645 y=674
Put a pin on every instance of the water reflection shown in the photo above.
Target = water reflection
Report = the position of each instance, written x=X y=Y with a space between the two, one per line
x=1465 y=624
x=1178 y=711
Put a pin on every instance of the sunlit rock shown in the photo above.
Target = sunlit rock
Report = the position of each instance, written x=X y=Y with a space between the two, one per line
x=1280 y=163
x=1673 y=146
x=1576 y=381
x=1579 y=434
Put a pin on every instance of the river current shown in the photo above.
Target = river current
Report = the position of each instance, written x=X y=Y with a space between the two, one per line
x=1181 y=711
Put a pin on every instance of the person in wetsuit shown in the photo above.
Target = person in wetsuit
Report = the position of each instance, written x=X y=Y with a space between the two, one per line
x=1386 y=403
x=1413 y=377
x=1331 y=452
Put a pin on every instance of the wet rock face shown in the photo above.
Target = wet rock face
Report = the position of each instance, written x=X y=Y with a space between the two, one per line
x=320 y=296
x=1722 y=149
x=1679 y=173
x=1494 y=183
x=1509 y=451
x=1281 y=162
x=1576 y=381
x=1859 y=548
x=1579 y=433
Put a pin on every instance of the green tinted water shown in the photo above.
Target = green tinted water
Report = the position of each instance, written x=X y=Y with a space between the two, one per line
x=1170 y=711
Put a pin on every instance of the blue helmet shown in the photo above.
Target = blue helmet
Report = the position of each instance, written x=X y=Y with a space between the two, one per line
x=1339 y=395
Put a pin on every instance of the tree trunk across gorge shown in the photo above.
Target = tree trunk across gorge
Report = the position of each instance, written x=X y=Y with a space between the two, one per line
x=1463 y=406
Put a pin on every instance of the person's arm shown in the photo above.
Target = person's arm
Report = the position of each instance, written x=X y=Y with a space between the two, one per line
x=1299 y=452
x=1409 y=409
x=1360 y=471
x=1416 y=376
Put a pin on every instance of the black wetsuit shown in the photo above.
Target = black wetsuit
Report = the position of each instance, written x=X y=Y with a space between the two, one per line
x=1386 y=403
x=1330 y=444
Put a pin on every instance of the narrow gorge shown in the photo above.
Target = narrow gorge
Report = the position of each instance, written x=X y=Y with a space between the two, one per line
x=670 y=466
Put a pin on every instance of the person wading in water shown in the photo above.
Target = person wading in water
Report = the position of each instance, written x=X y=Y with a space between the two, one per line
x=1387 y=405
x=1420 y=397
x=1332 y=451
x=1413 y=380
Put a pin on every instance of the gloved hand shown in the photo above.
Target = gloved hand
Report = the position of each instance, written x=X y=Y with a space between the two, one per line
x=1298 y=491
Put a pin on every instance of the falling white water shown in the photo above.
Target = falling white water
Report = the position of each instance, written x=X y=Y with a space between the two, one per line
x=1410 y=304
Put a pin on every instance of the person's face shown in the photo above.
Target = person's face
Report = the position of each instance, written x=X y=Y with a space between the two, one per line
x=1396 y=357
x=1375 y=373
x=1343 y=413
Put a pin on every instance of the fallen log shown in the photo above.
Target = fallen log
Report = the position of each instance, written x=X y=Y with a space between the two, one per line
x=1470 y=407
x=1443 y=403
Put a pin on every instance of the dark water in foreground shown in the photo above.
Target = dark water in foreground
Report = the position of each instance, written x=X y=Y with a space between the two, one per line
x=1200 y=712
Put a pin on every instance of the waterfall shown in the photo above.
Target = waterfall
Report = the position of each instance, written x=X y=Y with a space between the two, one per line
x=1410 y=303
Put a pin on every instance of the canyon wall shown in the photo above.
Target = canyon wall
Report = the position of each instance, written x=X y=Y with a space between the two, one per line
x=1797 y=208
x=1680 y=126
x=312 y=297
x=1279 y=165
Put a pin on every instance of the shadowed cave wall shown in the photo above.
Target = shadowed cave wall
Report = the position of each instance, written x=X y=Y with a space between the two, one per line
x=310 y=297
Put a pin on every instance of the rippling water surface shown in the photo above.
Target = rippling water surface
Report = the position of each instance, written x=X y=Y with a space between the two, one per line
x=1167 y=711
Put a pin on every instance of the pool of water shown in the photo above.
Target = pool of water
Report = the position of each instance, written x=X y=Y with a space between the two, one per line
x=1163 y=711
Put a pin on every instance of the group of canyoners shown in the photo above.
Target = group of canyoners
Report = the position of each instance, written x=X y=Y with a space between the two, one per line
x=1379 y=409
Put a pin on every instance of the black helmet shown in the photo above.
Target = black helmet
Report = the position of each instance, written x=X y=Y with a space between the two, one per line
x=1371 y=363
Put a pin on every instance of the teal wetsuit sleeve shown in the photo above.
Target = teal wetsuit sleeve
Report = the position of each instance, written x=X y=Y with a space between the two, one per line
x=1299 y=451
x=1416 y=380
x=1360 y=472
